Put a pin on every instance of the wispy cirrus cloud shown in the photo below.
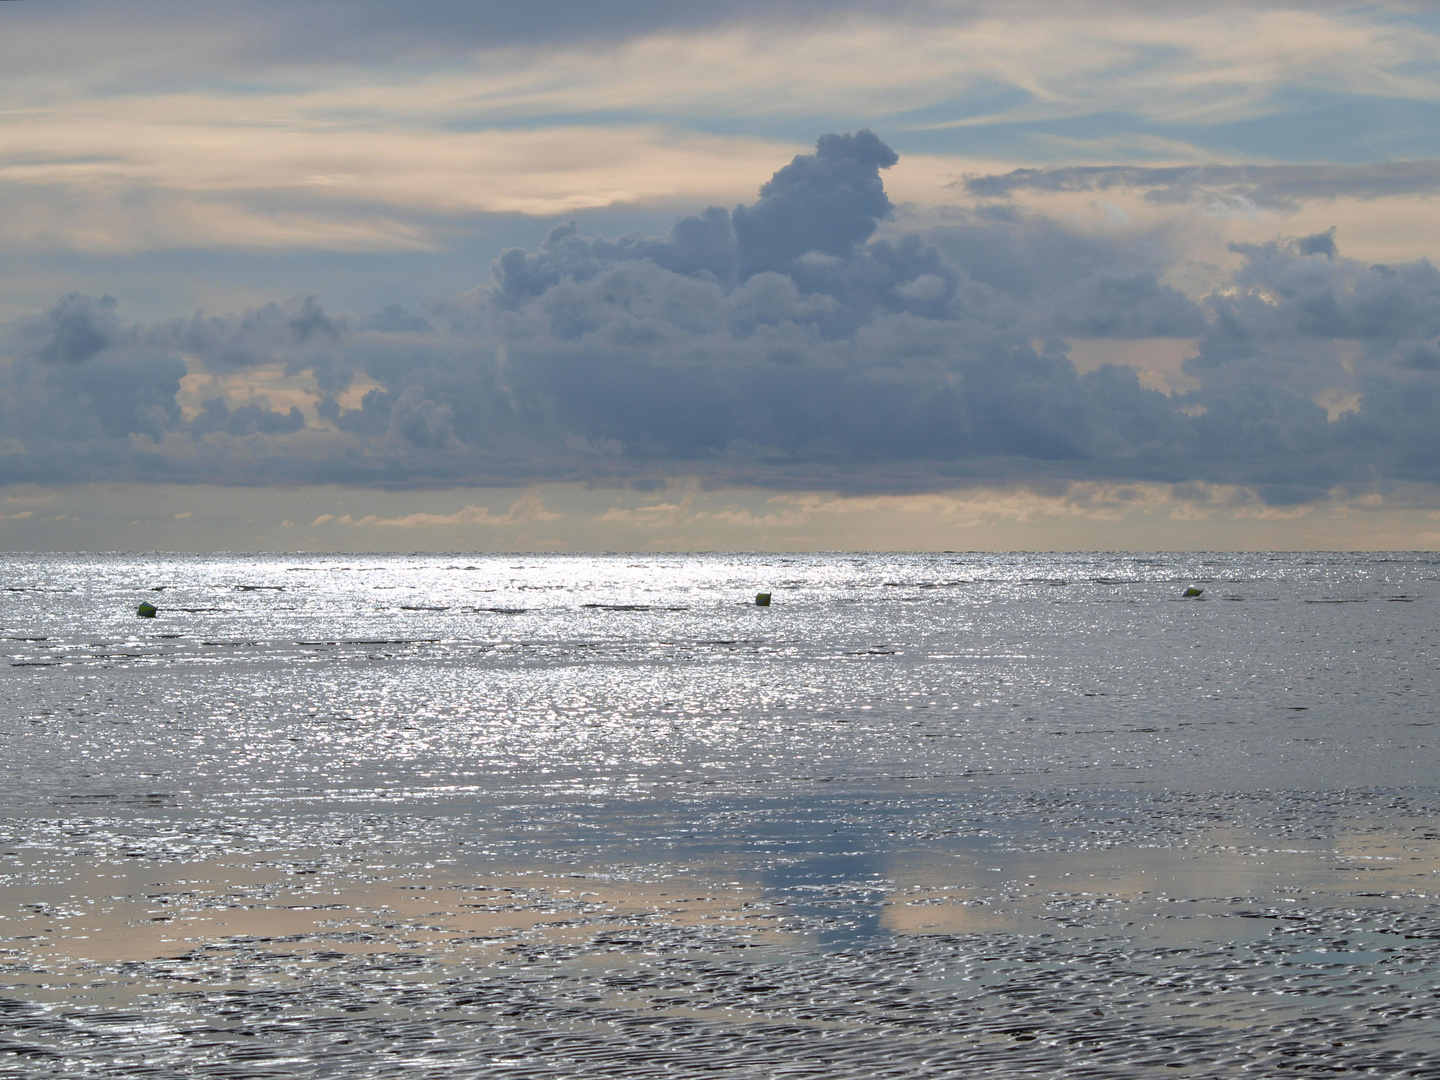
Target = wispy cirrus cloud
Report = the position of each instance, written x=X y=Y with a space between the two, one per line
x=1282 y=187
x=270 y=145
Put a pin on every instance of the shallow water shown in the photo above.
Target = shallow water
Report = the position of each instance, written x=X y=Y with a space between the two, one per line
x=926 y=815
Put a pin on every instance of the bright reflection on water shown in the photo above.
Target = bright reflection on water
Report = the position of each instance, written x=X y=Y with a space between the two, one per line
x=524 y=816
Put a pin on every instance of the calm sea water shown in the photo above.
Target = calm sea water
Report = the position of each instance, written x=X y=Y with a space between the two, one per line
x=532 y=816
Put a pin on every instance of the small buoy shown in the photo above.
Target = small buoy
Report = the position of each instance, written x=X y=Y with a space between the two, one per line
x=762 y=599
x=146 y=611
x=1193 y=591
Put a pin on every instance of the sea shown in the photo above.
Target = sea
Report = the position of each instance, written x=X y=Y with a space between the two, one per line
x=583 y=816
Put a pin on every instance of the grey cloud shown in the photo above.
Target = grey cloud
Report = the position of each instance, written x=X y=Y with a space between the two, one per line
x=1302 y=318
x=269 y=34
x=1275 y=186
x=1125 y=305
x=396 y=320
x=247 y=419
x=111 y=399
x=824 y=202
x=1070 y=283
x=276 y=32
x=1397 y=428
x=99 y=419
x=74 y=330
x=1298 y=295
x=779 y=344
x=1319 y=244
x=422 y=422
x=311 y=321
x=821 y=204
x=1420 y=355
x=272 y=333
x=696 y=246
x=1028 y=256
x=77 y=378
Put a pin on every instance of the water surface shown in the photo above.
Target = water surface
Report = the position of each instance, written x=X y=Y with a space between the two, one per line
x=533 y=816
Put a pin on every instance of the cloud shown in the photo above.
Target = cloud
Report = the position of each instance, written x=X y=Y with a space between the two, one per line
x=1281 y=187
x=526 y=510
x=794 y=57
x=785 y=343
x=822 y=203
x=247 y=419
x=1080 y=515
x=74 y=330
x=364 y=127
x=274 y=34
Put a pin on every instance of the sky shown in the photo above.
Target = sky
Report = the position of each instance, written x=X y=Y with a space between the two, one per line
x=719 y=275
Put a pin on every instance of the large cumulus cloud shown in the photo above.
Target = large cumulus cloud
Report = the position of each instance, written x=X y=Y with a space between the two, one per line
x=798 y=340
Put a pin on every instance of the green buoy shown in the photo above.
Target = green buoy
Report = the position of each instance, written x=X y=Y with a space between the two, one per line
x=762 y=599
x=146 y=611
x=1193 y=591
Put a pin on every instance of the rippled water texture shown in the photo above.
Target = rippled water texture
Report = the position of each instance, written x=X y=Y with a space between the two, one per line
x=568 y=816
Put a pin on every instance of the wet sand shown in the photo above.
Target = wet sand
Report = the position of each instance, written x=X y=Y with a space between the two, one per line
x=1021 y=934
x=925 y=816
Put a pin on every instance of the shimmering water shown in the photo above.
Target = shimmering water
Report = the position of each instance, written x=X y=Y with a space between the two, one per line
x=925 y=815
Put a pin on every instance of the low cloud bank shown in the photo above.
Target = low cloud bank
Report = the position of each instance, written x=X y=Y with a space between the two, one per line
x=779 y=344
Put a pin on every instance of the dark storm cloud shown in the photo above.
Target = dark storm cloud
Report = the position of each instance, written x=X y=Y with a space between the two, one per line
x=778 y=343
x=1271 y=186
